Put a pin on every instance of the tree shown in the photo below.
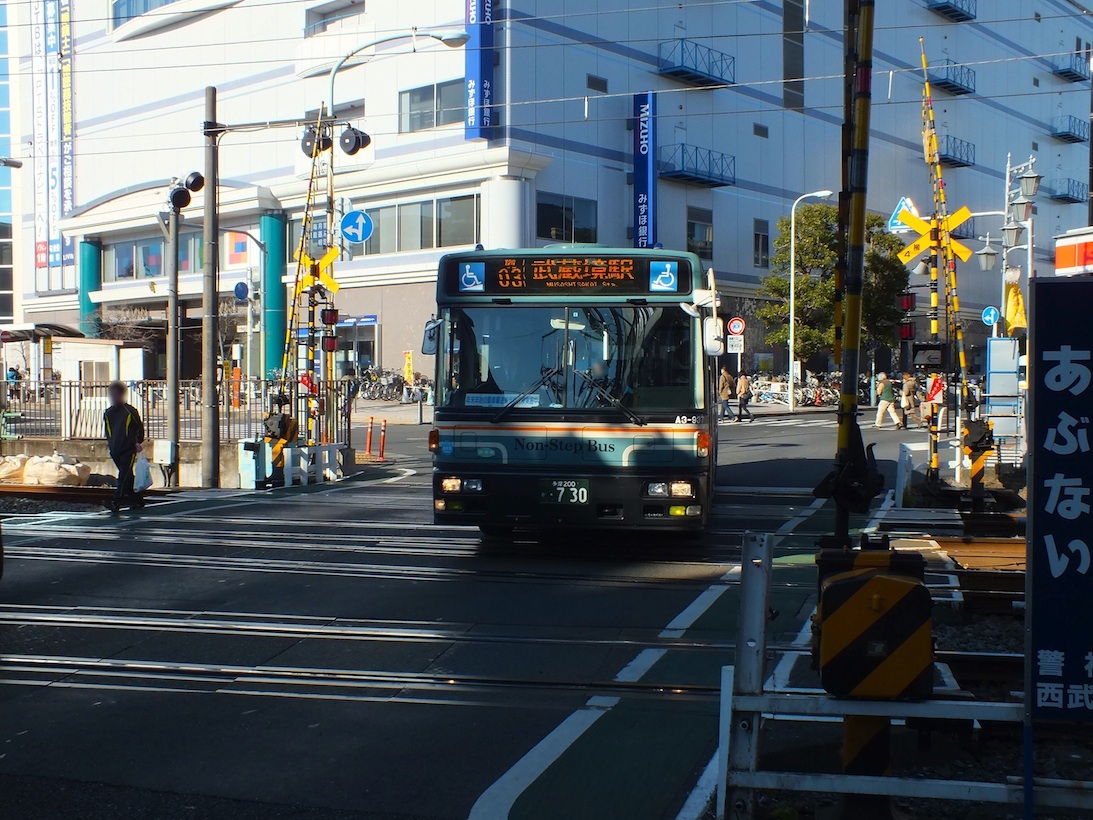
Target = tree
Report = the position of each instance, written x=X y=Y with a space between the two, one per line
x=128 y=323
x=817 y=242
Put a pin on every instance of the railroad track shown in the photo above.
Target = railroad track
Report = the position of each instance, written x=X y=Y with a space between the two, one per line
x=78 y=495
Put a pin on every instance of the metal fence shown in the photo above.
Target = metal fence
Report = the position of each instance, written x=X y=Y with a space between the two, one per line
x=74 y=410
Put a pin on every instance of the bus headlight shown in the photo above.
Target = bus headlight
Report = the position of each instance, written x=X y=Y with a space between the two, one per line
x=682 y=489
x=657 y=489
x=451 y=485
x=472 y=485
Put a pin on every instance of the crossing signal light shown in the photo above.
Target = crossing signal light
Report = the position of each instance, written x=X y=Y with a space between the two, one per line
x=907 y=302
x=179 y=194
x=354 y=140
x=907 y=330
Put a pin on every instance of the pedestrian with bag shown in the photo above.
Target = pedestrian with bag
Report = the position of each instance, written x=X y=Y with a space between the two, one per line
x=726 y=389
x=908 y=400
x=886 y=402
x=124 y=441
x=743 y=396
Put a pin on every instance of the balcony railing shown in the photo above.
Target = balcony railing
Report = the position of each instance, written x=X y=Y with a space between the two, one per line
x=954 y=78
x=699 y=166
x=1072 y=67
x=958 y=11
x=956 y=153
x=1069 y=128
x=965 y=230
x=696 y=64
x=1068 y=190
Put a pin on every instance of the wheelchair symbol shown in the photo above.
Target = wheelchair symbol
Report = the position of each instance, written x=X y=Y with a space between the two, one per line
x=473 y=277
x=662 y=277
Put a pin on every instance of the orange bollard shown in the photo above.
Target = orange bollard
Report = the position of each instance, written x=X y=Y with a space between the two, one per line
x=383 y=438
x=368 y=437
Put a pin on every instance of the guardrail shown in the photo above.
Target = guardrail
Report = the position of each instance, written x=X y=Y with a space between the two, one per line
x=67 y=411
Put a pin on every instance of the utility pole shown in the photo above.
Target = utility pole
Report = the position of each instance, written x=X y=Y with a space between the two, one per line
x=210 y=416
x=172 y=344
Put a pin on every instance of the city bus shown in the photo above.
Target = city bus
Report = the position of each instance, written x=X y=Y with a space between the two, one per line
x=575 y=389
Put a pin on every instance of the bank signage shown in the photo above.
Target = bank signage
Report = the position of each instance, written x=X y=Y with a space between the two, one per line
x=645 y=170
x=479 y=55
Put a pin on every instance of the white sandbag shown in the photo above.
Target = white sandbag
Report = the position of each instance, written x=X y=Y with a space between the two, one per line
x=62 y=475
x=32 y=472
x=11 y=468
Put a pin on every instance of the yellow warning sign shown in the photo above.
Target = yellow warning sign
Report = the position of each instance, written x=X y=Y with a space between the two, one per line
x=925 y=240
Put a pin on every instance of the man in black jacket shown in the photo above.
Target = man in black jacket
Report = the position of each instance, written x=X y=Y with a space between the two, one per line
x=124 y=436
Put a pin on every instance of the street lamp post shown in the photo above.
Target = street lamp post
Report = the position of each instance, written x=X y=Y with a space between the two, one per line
x=793 y=287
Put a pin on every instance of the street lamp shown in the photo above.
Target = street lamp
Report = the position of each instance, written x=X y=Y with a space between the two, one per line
x=452 y=39
x=1011 y=234
x=1020 y=208
x=793 y=284
x=987 y=256
x=1029 y=183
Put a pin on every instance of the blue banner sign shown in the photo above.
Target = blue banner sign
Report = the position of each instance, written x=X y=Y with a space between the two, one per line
x=479 y=70
x=645 y=170
x=1060 y=565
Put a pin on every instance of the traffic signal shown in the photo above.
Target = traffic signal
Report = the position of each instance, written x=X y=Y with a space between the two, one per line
x=907 y=330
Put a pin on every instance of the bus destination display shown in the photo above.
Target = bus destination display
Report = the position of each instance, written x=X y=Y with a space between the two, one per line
x=547 y=275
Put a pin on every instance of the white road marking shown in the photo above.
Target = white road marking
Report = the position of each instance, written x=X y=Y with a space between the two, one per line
x=878 y=517
x=700 y=796
x=497 y=801
x=801 y=517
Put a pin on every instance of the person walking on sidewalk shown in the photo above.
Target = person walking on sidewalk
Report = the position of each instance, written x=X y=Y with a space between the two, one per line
x=743 y=396
x=886 y=402
x=124 y=439
x=726 y=389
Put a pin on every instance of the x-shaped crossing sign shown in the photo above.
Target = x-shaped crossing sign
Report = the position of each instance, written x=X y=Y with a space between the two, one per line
x=322 y=268
x=925 y=241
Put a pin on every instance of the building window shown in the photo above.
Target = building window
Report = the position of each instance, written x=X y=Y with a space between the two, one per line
x=122 y=11
x=1035 y=145
x=384 y=238
x=144 y=258
x=565 y=218
x=457 y=221
x=595 y=83
x=431 y=105
x=332 y=16
x=793 y=54
x=761 y=244
x=415 y=226
x=1035 y=82
x=700 y=232
x=759 y=130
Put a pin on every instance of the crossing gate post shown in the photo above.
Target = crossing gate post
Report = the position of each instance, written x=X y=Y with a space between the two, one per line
x=739 y=742
x=875 y=640
x=383 y=439
x=978 y=444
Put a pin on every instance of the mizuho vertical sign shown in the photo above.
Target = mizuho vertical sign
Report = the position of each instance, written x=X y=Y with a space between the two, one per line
x=645 y=170
x=479 y=70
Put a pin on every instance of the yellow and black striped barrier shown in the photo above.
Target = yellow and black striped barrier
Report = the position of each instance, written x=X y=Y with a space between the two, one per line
x=874 y=630
x=978 y=445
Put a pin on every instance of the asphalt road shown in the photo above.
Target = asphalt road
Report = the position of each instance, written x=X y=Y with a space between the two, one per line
x=329 y=653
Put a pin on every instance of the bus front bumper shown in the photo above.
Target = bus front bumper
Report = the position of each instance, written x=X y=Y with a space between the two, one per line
x=536 y=500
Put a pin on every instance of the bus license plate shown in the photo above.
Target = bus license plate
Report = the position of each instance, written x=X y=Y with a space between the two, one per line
x=564 y=491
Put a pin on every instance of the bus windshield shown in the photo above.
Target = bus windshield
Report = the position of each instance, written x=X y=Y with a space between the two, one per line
x=638 y=357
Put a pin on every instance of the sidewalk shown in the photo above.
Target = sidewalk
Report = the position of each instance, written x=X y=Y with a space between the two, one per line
x=395 y=413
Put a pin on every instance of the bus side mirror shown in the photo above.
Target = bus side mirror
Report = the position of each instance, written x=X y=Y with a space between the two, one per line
x=430 y=341
x=713 y=336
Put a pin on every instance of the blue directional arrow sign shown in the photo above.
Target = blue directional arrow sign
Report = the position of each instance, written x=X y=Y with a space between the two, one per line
x=990 y=316
x=357 y=226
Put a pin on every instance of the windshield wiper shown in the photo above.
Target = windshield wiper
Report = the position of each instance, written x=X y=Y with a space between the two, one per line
x=603 y=394
x=508 y=408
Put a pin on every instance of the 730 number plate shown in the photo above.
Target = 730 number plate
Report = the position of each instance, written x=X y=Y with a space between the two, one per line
x=564 y=491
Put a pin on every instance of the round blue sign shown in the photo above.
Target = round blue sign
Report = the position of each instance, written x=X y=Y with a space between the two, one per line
x=990 y=316
x=356 y=226
x=242 y=291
